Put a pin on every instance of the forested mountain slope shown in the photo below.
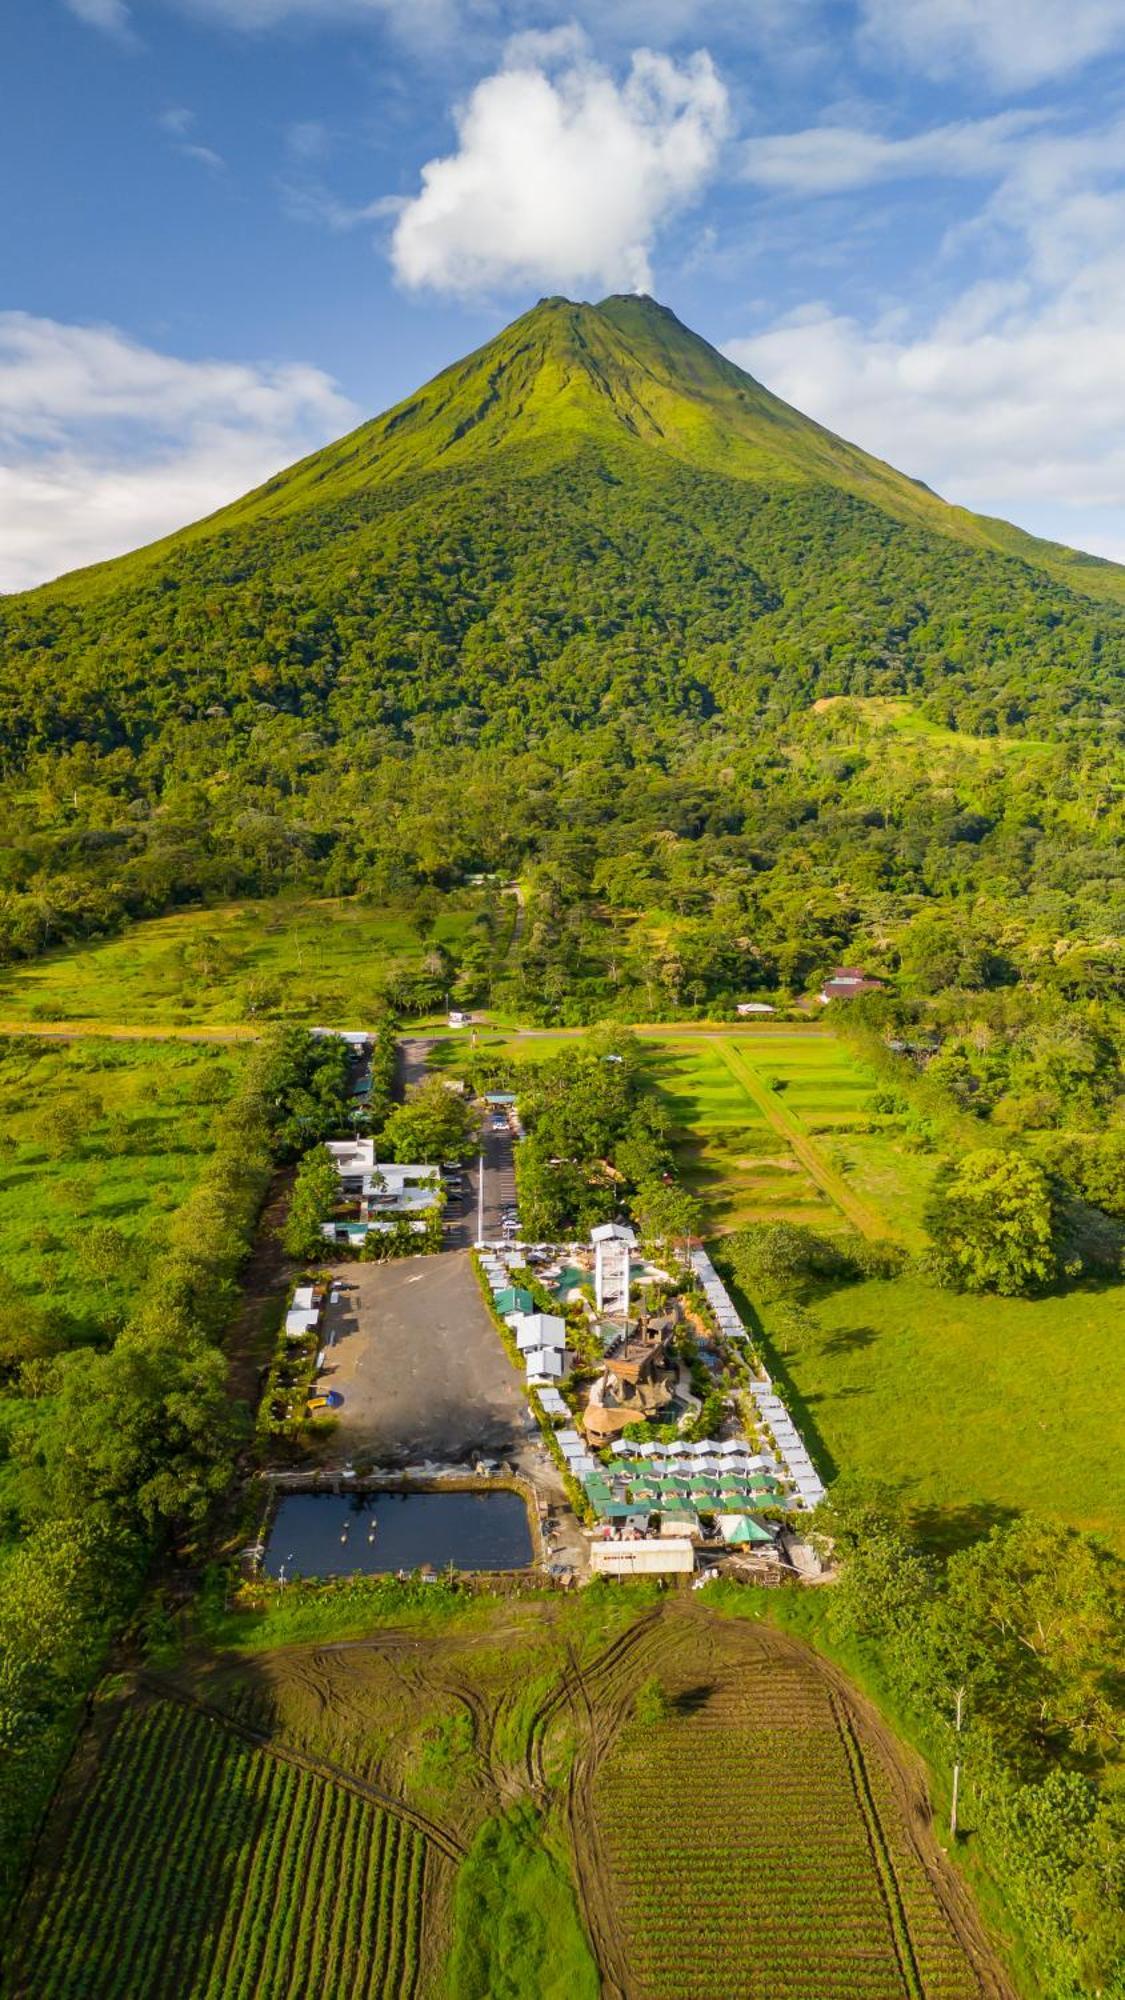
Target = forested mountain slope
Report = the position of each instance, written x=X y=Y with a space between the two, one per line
x=593 y=575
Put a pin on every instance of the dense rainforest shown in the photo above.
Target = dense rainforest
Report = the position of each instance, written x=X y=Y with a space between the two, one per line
x=596 y=608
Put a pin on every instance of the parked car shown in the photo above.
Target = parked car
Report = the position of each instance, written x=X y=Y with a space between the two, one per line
x=498 y=1125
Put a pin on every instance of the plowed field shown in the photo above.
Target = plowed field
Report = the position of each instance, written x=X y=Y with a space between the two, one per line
x=759 y=1845
x=681 y=1805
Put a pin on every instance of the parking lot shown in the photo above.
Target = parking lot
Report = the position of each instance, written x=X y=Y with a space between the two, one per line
x=412 y=1349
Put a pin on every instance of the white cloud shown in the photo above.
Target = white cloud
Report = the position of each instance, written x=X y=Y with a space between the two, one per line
x=562 y=176
x=308 y=139
x=106 y=444
x=206 y=156
x=111 y=16
x=837 y=159
x=311 y=201
x=1014 y=43
x=1011 y=403
x=1012 y=400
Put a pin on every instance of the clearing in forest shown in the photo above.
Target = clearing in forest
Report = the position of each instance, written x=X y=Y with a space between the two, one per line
x=314 y=959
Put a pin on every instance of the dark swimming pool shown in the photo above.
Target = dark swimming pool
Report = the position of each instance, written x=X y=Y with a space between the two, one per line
x=333 y=1534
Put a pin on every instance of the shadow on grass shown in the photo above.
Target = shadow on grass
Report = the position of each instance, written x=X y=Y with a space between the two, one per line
x=799 y=1409
x=945 y=1530
x=691 y=1700
x=850 y=1340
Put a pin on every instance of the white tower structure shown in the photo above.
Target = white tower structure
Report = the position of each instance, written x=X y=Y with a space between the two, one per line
x=614 y=1244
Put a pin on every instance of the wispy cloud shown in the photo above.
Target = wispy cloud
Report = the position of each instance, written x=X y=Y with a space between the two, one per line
x=1008 y=43
x=310 y=201
x=308 y=139
x=111 y=17
x=837 y=159
x=206 y=156
x=178 y=120
x=105 y=443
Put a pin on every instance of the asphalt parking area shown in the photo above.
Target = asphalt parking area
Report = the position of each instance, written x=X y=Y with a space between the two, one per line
x=411 y=1348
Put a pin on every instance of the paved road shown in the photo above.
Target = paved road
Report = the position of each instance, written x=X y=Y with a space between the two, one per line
x=499 y=1192
x=423 y=1374
x=463 y=1214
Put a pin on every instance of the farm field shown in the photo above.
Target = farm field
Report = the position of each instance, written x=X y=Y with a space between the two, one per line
x=748 y=1108
x=789 y=1829
x=975 y=1408
x=472 y=1798
x=252 y=1877
x=300 y=958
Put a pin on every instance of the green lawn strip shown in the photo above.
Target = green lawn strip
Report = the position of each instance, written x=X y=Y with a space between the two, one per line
x=266 y=1617
x=975 y=1407
x=516 y=1925
x=859 y=1213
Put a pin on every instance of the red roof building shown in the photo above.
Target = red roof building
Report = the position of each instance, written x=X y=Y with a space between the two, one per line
x=846 y=982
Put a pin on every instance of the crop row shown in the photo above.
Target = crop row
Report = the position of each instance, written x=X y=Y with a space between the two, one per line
x=777 y=1889
x=198 y=1866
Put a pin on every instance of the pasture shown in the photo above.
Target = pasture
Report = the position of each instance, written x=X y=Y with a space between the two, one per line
x=975 y=1408
x=496 y=1797
x=102 y=1142
x=297 y=958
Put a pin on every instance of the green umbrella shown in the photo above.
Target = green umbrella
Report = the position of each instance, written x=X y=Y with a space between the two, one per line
x=745 y=1530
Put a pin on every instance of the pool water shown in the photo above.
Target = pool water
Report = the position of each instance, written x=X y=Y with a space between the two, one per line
x=334 y=1534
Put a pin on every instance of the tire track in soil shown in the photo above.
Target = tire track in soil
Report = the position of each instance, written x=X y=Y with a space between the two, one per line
x=575 y=1680
x=603 y=1691
x=902 y=1944
x=906 y=1777
x=443 y=1837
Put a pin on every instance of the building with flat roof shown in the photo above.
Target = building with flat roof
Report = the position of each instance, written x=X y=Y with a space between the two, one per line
x=668 y=1557
x=382 y=1187
x=538 y=1330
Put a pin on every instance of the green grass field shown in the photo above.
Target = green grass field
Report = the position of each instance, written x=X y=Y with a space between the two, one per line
x=295 y=957
x=745 y=1168
x=973 y=1407
x=98 y=1135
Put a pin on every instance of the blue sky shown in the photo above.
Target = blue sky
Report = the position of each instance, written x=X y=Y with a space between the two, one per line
x=235 y=227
